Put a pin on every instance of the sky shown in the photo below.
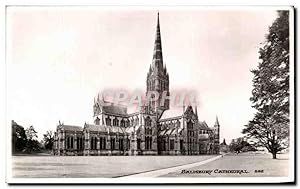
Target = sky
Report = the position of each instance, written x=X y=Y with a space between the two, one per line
x=60 y=58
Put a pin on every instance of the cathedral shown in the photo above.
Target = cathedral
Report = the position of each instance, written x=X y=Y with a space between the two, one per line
x=153 y=130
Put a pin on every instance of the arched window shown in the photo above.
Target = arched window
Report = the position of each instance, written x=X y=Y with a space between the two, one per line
x=138 y=143
x=172 y=144
x=122 y=123
x=128 y=144
x=164 y=145
x=112 y=145
x=148 y=131
x=121 y=144
x=92 y=143
x=108 y=121
x=102 y=143
x=72 y=142
x=68 y=142
x=147 y=121
x=181 y=144
x=79 y=143
x=146 y=142
x=115 y=122
x=190 y=125
x=95 y=143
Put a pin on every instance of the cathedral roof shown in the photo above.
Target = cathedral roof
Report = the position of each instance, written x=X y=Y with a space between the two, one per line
x=172 y=113
x=103 y=128
x=116 y=129
x=71 y=128
x=202 y=125
x=115 y=109
x=99 y=128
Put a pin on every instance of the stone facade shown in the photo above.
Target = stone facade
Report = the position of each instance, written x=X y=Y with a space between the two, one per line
x=153 y=130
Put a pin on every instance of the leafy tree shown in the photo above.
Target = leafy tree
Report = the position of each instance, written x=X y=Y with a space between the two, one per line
x=19 y=139
x=270 y=94
x=31 y=134
x=240 y=145
x=235 y=145
x=24 y=140
x=32 y=144
x=48 y=140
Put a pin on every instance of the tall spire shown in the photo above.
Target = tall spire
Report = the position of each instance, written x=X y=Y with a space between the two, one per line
x=157 y=61
x=217 y=136
x=158 y=77
x=217 y=121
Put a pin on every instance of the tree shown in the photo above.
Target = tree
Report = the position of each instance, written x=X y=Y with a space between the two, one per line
x=31 y=134
x=48 y=140
x=19 y=139
x=270 y=94
x=32 y=144
x=240 y=145
x=235 y=145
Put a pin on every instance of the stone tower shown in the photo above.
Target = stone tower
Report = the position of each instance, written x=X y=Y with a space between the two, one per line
x=158 y=77
x=217 y=136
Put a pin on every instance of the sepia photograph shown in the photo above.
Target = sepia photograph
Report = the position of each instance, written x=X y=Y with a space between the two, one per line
x=195 y=94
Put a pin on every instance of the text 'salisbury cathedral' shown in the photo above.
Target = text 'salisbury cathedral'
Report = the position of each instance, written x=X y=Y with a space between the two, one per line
x=154 y=130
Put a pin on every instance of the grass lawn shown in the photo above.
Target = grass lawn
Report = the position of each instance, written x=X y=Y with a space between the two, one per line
x=93 y=166
x=252 y=164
